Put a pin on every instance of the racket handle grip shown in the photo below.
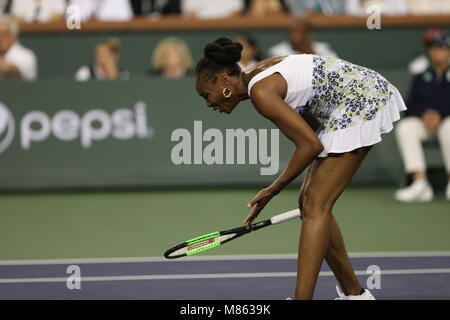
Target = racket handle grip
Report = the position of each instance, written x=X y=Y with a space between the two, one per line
x=285 y=216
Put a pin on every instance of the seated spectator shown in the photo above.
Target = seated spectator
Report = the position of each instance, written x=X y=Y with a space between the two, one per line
x=387 y=7
x=250 y=52
x=156 y=7
x=428 y=116
x=328 y=7
x=171 y=59
x=106 y=66
x=207 y=9
x=261 y=8
x=300 y=42
x=421 y=63
x=16 y=61
x=104 y=10
x=38 y=10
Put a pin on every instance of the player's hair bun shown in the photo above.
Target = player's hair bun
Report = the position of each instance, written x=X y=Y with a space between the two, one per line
x=223 y=51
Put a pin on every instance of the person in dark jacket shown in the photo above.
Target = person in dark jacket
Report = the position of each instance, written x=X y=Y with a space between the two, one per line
x=428 y=117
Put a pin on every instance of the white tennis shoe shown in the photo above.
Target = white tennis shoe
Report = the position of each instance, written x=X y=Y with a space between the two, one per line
x=365 y=296
x=418 y=191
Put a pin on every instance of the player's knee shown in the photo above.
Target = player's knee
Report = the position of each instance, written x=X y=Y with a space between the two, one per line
x=315 y=205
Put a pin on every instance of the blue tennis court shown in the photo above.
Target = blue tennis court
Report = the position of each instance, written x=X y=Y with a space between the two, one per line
x=270 y=277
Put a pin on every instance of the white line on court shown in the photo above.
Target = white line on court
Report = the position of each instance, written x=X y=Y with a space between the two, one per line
x=220 y=258
x=220 y=276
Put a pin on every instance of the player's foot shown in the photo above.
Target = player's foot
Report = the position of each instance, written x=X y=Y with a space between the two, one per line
x=418 y=191
x=364 y=296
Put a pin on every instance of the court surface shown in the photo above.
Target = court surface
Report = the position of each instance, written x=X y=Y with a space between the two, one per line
x=400 y=276
x=42 y=234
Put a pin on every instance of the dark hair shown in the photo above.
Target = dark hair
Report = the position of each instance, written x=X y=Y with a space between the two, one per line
x=219 y=55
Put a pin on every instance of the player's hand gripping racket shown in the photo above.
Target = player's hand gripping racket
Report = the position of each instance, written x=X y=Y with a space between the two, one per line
x=215 y=239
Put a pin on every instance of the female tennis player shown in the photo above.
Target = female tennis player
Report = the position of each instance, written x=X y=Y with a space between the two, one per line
x=333 y=111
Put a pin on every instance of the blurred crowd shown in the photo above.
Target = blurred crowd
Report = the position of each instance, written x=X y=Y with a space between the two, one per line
x=171 y=57
x=124 y=10
x=428 y=101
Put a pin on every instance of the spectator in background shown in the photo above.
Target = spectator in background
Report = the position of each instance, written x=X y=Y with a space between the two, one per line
x=261 y=8
x=328 y=7
x=387 y=7
x=16 y=61
x=104 y=10
x=208 y=9
x=38 y=10
x=172 y=58
x=250 y=52
x=428 y=116
x=421 y=63
x=300 y=42
x=156 y=7
x=106 y=66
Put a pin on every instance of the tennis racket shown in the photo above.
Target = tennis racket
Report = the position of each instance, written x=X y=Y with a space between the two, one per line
x=215 y=239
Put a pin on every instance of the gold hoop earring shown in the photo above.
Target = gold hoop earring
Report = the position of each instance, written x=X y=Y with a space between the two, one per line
x=225 y=94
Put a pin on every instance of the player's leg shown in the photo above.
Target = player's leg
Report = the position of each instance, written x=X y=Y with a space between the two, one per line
x=339 y=262
x=330 y=178
x=308 y=173
x=444 y=141
x=336 y=256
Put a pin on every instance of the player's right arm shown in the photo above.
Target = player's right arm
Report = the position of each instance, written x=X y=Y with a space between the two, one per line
x=268 y=102
x=313 y=122
x=307 y=145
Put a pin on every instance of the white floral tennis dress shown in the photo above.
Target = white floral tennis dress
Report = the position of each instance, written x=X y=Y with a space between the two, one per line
x=356 y=105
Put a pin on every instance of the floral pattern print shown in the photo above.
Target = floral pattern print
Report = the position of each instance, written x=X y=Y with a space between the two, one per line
x=344 y=94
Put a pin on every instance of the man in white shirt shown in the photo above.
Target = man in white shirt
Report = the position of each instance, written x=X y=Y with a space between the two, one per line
x=16 y=61
x=104 y=10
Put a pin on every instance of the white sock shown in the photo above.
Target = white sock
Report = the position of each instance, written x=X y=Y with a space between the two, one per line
x=421 y=182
